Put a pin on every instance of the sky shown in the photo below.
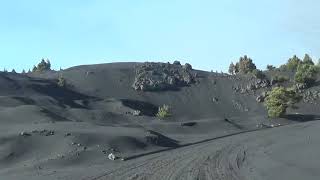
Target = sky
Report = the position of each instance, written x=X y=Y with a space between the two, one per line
x=208 y=34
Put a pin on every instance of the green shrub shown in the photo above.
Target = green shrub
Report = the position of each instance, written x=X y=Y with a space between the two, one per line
x=293 y=63
x=258 y=74
x=61 y=81
x=163 y=112
x=306 y=74
x=280 y=79
x=279 y=99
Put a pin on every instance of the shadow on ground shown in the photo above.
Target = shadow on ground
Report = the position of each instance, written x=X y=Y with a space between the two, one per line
x=302 y=117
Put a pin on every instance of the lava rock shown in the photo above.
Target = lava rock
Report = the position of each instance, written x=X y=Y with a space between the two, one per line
x=25 y=134
x=136 y=113
x=112 y=157
x=162 y=76
x=260 y=99
x=215 y=99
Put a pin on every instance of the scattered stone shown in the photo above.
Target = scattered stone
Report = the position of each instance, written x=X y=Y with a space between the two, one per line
x=46 y=132
x=260 y=99
x=25 y=134
x=67 y=134
x=300 y=86
x=136 y=113
x=60 y=156
x=215 y=99
x=112 y=157
x=89 y=72
x=79 y=144
x=73 y=143
x=239 y=106
x=113 y=150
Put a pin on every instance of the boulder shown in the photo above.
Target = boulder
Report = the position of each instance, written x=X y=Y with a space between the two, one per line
x=112 y=157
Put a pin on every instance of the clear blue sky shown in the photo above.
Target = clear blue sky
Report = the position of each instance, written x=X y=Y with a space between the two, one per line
x=208 y=34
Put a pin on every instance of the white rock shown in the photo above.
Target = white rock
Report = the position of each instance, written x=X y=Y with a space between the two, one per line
x=111 y=156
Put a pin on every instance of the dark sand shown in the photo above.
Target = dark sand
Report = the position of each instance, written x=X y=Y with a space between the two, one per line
x=69 y=132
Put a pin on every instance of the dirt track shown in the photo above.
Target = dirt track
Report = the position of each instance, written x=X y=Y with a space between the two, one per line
x=234 y=157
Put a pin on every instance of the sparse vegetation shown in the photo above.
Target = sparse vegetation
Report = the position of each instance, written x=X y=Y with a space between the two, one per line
x=61 y=81
x=279 y=99
x=244 y=66
x=232 y=69
x=307 y=60
x=270 y=67
x=280 y=79
x=258 y=74
x=306 y=74
x=293 y=63
x=163 y=112
x=43 y=66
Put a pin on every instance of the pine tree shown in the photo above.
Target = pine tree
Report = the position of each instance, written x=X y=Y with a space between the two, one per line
x=271 y=67
x=48 y=65
x=246 y=65
x=307 y=60
x=293 y=63
x=13 y=71
x=34 y=69
x=231 y=68
x=23 y=71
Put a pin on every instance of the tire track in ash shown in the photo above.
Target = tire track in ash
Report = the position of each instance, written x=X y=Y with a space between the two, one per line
x=210 y=160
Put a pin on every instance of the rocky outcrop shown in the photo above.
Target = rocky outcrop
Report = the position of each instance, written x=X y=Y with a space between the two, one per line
x=311 y=96
x=252 y=86
x=162 y=76
x=261 y=97
x=301 y=86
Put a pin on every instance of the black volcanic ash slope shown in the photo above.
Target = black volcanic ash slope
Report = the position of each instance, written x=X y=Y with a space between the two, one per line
x=50 y=129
